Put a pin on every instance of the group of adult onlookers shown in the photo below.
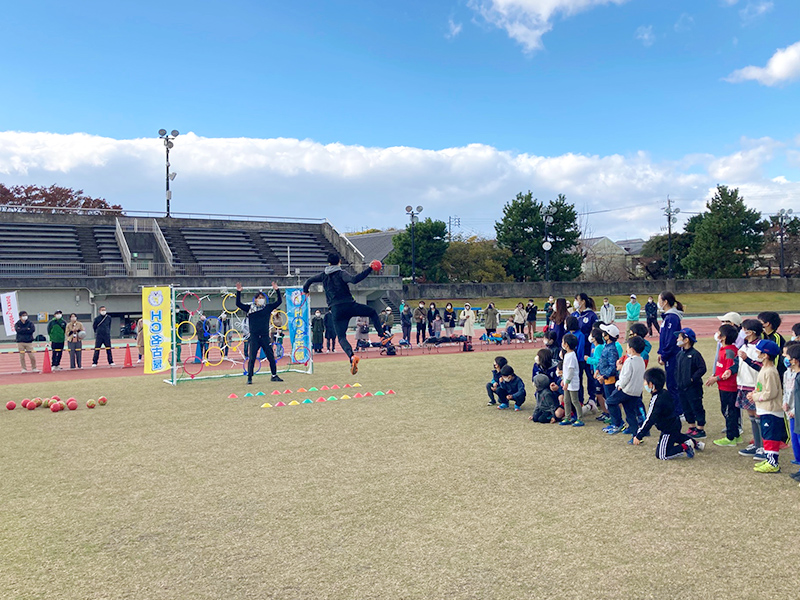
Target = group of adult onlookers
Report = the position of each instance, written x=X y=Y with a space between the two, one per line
x=63 y=332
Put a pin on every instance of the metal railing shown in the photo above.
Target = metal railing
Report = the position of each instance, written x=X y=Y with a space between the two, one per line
x=136 y=225
x=62 y=269
x=123 y=245
x=162 y=243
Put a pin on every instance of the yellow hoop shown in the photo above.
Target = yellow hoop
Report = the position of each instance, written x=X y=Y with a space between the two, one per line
x=238 y=341
x=221 y=356
x=178 y=331
x=285 y=323
x=224 y=308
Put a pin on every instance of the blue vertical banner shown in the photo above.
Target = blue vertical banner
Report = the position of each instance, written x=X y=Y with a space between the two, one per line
x=299 y=325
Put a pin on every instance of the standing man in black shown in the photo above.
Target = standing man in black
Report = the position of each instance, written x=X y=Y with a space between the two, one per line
x=330 y=332
x=102 y=337
x=336 y=282
x=258 y=318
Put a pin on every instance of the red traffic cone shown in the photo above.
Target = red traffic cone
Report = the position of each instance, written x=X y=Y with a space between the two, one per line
x=46 y=368
x=128 y=360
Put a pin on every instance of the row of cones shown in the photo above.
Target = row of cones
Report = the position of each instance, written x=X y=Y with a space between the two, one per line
x=329 y=399
x=298 y=391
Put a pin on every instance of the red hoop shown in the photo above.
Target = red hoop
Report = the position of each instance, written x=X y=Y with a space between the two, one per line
x=183 y=303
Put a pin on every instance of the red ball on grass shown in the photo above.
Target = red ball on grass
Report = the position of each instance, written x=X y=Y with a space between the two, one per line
x=55 y=407
x=90 y=404
x=25 y=403
x=11 y=405
x=102 y=400
x=31 y=405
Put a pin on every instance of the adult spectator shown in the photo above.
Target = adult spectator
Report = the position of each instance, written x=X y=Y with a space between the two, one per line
x=632 y=311
x=467 y=319
x=330 y=332
x=531 y=310
x=607 y=313
x=586 y=321
x=651 y=312
x=419 y=319
x=490 y=320
x=362 y=332
x=668 y=350
x=406 y=320
x=317 y=331
x=387 y=319
x=432 y=312
x=56 y=329
x=25 y=331
x=75 y=333
x=102 y=336
x=520 y=316
x=140 y=339
x=449 y=320
x=559 y=327
x=549 y=306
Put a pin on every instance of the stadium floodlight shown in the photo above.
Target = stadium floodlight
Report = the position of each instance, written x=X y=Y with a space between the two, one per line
x=172 y=176
x=409 y=208
x=168 y=145
x=174 y=133
x=419 y=209
x=162 y=132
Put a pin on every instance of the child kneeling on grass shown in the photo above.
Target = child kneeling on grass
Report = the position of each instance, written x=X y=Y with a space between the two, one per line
x=661 y=413
x=768 y=399
x=493 y=387
x=628 y=391
x=548 y=409
x=511 y=389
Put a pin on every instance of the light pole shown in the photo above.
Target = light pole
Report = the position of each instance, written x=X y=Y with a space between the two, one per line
x=783 y=214
x=548 y=220
x=671 y=219
x=414 y=218
x=162 y=133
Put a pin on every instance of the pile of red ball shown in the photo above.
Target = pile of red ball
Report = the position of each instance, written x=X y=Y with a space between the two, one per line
x=55 y=404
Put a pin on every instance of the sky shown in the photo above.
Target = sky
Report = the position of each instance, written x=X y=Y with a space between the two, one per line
x=352 y=110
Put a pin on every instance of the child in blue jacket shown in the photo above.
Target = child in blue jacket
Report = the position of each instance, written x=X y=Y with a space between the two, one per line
x=511 y=389
x=607 y=364
x=492 y=388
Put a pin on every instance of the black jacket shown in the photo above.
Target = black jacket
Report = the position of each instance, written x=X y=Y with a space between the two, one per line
x=330 y=329
x=102 y=325
x=660 y=413
x=336 y=282
x=689 y=369
x=25 y=331
x=260 y=317
x=651 y=310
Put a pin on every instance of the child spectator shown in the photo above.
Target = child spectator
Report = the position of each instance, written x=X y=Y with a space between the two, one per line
x=543 y=364
x=628 y=391
x=770 y=321
x=651 y=312
x=789 y=399
x=593 y=360
x=607 y=364
x=512 y=333
x=796 y=332
x=317 y=331
x=551 y=343
x=437 y=325
x=640 y=330
x=769 y=406
x=432 y=312
x=511 y=389
x=573 y=326
x=547 y=410
x=726 y=368
x=570 y=381
x=492 y=387
x=661 y=413
x=746 y=380
x=689 y=372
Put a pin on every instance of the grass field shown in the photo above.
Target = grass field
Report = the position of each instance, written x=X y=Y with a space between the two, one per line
x=697 y=304
x=182 y=493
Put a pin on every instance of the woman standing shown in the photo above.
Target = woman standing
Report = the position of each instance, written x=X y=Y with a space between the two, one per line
x=558 y=324
x=587 y=319
x=449 y=320
x=531 y=311
x=490 y=321
x=548 y=312
x=467 y=319
x=419 y=319
x=520 y=315
x=406 y=320
x=140 y=338
x=75 y=341
x=672 y=313
x=432 y=312
x=317 y=332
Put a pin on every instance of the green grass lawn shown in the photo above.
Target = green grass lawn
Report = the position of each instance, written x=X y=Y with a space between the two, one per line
x=744 y=303
x=181 y=493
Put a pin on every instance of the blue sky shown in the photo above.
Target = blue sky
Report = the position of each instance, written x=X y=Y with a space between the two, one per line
x=648 y=81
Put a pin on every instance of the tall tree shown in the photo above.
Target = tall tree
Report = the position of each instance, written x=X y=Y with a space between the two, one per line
x=40 y=199
x=430 y=244
x=728 y=238
x=521 y=232
x=770 y=258
x=475 y=259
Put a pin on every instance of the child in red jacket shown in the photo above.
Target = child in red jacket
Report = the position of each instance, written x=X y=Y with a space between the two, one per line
x=724 y=376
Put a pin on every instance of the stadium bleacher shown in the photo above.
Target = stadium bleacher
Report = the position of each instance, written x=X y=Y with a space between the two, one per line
x=303 y=250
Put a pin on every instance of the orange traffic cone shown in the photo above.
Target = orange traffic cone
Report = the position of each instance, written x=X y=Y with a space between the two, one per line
x=128 y=360
x=46 y=368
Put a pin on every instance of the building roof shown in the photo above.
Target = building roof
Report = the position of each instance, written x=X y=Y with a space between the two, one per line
x=632 y=246
x=374 y=246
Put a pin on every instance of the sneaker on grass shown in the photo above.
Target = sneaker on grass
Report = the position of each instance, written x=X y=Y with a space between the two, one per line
x=688 y=448
x=614 y=430
x=766 y=467
x=698 y=433
x=578 y=423
x=725 y=442
x=760 y=455
x=699 y=446
x=502 y=407
x=566 y=421
x=749 y=451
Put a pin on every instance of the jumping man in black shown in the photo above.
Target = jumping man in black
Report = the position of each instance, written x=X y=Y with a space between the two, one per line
x=337 y=293
x=258 y=316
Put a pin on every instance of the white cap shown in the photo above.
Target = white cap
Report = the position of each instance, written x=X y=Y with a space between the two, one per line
x=611 y=330
x=633 y=296
x=732 y=317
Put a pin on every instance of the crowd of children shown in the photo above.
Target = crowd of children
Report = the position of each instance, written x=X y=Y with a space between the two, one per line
x=754 y=369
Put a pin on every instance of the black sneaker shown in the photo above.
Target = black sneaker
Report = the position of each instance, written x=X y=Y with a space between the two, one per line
x=795 y=476
x=274 y=378
x=697 y=434
x=249 y=380
x=492 y=403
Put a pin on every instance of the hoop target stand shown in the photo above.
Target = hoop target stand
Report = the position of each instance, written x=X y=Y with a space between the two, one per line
x=225 y=345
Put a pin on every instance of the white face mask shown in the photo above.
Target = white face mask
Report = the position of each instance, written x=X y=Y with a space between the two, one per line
x=317 y=314
x=58 y=315
x=576 y=305
x=716 y=337
x=650 y=389
x=536 y=359
x=73 y=319
x=102 y=313
x=23 y=318
x=605 y=302
x=261 y=301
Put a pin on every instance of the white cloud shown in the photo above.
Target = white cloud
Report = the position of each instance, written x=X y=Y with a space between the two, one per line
x=684 y=23
x=645 y=35
x=356 y=186
x=784 y=66
x=754 y=10
x=453 y=29
x=526 y=21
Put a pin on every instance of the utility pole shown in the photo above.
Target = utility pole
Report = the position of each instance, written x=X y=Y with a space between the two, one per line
x=452 y=222
x=548 y=220
x=671 y=219
x=783 y=214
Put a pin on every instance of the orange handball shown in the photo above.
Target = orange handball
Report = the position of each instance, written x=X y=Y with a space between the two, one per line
x=376 y=265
